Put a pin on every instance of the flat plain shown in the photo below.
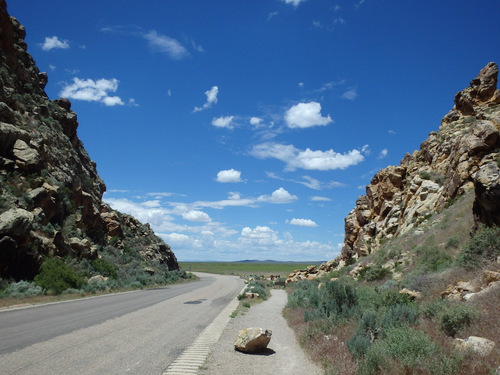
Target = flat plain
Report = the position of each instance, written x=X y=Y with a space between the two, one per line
x=245 y=268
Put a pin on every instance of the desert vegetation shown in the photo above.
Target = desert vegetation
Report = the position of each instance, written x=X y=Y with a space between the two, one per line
x=402 y=319
x=116 y=269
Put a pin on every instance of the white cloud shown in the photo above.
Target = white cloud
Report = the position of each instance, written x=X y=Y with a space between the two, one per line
x=307 y=159
x=305 y=115
x=223 y=122
x=383 y=153
x=310 y=182
x=302 y=222
x=195 y=215
x=350 y=94
x=295 y=3
x=165 y=44
x=211 y=99
x=234 y=195
x=320 y=199
x=255 y=121
x=54 y=42
x=229 y=175
x=93 y=91
x=278 y=196
x=261 y=235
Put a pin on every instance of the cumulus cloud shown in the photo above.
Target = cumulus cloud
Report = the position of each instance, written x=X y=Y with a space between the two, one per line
x=195 y=215
x=54 y=42
x=211 y=99
x=383 y=153
x=302 y=222
x=278 y=196
x=307 y=159
x=229 y=175
x=261 y=235
x=167 y=45
x=93 y=91
x=305 y=115
x=255 y=121
x=223 y=122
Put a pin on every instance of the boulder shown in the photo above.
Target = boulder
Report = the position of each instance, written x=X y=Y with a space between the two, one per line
x=252 y=340
x=27 y=158
x=478 y=345
x=97 y=279
x=15 y=222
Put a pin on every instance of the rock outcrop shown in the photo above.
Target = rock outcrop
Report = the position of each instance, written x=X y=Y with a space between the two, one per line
x=462 y=155
x=50 y=192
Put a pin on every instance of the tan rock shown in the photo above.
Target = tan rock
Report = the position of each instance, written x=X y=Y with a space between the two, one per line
x=478 y=345
x=490 y=277
x=252 y=340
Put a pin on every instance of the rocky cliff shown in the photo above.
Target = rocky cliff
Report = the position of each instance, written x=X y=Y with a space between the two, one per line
x=50 y=192
x=462 y=155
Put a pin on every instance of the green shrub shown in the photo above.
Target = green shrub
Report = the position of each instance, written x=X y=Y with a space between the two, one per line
x=304 y=294
x=22 y=289
x=482 y=247
x=335 y=300
x=358 y=345
x=366 y=333
x=425 y=175
x=431 y=259
x=257 y=287
x=374 y=273
x=393 y=297
x=434 y=308
x=456 y=317
x=452 y=242
x=56 y=276
x=105 y=268
x=399 y=315
x=408 y=351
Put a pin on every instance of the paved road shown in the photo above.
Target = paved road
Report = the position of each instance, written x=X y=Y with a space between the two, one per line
x=130 y=333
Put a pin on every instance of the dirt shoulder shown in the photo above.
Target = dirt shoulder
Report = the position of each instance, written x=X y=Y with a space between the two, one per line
x=284 y=354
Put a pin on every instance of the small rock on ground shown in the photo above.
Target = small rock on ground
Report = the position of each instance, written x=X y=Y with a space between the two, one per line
x=282 y=356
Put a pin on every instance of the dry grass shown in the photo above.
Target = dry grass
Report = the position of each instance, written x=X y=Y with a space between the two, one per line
x=324 y=342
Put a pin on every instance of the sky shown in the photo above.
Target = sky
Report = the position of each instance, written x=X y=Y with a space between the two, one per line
x=247 y=129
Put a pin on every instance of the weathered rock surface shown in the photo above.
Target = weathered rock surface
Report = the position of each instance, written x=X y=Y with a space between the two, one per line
x=50 y=191
x=252 y=340
x=462 y=155
x=478 y=345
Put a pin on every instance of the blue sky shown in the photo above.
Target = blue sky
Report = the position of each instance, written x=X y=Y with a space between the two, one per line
x=246 y=129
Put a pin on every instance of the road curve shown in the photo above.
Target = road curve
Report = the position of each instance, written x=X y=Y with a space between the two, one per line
x=136 y=333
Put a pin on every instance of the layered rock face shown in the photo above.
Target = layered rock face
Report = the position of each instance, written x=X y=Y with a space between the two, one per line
x=462 y=155
x=50 y=192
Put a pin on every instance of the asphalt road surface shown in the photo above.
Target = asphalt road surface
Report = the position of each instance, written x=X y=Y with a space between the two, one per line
x=129 y=333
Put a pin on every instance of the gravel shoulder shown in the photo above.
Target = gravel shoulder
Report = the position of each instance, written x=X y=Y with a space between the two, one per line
x=283 y=356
